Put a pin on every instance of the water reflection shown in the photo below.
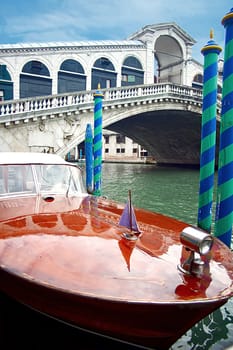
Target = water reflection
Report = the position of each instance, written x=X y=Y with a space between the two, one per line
x=161 y=189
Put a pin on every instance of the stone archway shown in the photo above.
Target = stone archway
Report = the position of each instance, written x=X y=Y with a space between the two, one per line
x=103 y=73
x=172 y=50
x=35 y=80
x=170 y=59
x=6 y=84
x=131 y=72
x=71 y=77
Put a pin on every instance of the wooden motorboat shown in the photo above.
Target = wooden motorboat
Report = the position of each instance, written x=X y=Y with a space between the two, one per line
x=75 y=257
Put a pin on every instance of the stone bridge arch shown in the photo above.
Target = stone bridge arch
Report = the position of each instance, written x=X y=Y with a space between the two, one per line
x=169 y=130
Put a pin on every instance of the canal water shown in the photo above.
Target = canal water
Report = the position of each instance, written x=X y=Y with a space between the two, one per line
x=174 y=192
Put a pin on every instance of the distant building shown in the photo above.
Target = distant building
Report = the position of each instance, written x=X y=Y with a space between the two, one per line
x=119 y=148
x=116 y=148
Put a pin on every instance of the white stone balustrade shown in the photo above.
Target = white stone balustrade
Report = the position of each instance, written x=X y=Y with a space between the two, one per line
x=24 y=107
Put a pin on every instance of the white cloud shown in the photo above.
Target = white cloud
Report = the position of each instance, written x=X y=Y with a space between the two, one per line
x=56 y=20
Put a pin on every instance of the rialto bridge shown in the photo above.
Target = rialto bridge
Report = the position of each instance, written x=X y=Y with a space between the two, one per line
x=151 y=84
x=164 y=118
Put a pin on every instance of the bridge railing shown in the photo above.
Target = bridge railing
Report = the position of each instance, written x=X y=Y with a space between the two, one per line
x=81 y=98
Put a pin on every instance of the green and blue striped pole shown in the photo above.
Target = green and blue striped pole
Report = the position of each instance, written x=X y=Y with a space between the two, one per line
x=89 y=158
x=224 y=205
x=98 y=97
x=208 y=133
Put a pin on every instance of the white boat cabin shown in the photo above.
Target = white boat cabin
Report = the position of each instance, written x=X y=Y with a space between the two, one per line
x=38 y=173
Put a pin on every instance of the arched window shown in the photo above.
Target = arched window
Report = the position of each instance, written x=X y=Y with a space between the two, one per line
x=132 y=62
x=35 y=80
x=103 y=73
x=198 y=81
x=6 y=85
x=71 y=77
x=132 y=72
x=36 y=68
x=72 y=66
x=104 y=63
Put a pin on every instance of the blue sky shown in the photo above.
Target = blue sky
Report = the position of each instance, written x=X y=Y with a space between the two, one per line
x=74 y=20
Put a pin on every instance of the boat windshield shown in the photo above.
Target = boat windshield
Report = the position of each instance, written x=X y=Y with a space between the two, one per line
x=21 y=179
x=59 y=178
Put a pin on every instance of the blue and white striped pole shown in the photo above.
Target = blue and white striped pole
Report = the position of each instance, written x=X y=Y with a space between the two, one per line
x=98 y=97
x=208 y=133
x=224 y=205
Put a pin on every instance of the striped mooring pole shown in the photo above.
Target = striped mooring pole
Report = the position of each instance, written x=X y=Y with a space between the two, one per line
x=89 y=158
x=208 y=133
x=224 y=202
x=98 y=97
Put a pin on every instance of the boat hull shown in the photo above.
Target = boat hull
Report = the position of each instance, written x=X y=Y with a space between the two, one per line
x=78 y=259
x=154 y=325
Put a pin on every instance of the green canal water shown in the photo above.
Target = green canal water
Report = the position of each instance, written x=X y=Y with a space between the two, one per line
x=174 y=192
